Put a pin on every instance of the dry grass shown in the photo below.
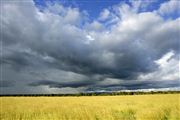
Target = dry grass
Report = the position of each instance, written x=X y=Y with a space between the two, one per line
x=137 y=107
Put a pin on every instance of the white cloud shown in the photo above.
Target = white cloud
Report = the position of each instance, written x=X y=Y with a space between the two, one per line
x=94 y=26
x=104 y=15
x=164 y=60
x=89 y=39
x=168 y=69
x=169 y=7
x=72 y=16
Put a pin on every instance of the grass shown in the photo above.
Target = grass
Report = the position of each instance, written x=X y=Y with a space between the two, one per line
x=136 y=107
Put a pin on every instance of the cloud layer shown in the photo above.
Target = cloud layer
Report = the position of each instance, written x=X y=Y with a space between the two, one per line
x=60 y=50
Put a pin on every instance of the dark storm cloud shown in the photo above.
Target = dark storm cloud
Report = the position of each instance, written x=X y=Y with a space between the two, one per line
x=6 y=84
x=54 y=84
x=95 y=86
x=54 y=45
x=136 y=85
x=16 y=59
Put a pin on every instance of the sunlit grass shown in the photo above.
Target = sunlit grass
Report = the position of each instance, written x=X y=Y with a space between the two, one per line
x=136 y=107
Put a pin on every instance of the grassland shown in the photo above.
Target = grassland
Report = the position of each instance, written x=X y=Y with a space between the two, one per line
x=136 y=107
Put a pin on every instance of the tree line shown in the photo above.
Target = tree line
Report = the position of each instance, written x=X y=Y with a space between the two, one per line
x=92 y=94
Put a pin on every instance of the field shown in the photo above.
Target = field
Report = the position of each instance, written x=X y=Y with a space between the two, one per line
x=136 y=107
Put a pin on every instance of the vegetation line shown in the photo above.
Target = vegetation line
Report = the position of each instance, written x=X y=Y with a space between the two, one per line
x=91 y=94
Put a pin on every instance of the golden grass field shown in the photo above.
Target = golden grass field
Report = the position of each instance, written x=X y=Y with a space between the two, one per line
x=136 y=107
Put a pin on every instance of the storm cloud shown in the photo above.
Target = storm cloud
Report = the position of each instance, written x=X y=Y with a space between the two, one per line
x=58 y=47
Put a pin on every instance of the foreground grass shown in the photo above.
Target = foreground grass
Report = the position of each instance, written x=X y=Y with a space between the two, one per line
x=136 y=107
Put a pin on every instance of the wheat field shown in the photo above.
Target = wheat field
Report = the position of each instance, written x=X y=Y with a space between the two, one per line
x=136 y=107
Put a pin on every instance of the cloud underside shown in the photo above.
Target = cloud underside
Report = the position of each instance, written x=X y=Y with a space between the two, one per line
x=58 y=49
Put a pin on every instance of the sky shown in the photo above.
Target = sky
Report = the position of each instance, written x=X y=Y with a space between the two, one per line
x=73 y=46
